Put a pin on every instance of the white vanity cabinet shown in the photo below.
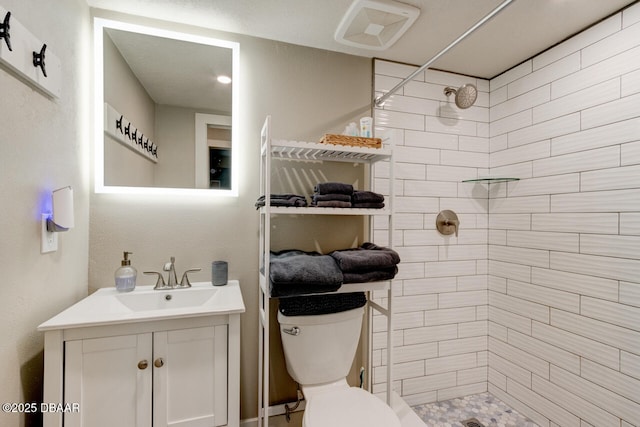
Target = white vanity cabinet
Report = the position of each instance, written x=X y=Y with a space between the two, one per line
x=168 y=370
x=176 y=377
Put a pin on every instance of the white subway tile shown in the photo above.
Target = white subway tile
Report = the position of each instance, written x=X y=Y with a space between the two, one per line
x=386 y=83
x=597 y=395
x=510 y=75
x=497 y=96
x=551 y=128
x=473 y=376
x=430 y=140
x=477 y=113
x=621 y=384
x=520 y=170
x=395 y=69
x=464 y=158
x=527 y=204
x=450 y=363
x=497 y=284
x=610 y=46
x=524 y=153
x=462 y=252
x=394 y=119
x=411 y=171
x=607 y=333
x=422 y=89
x=611 y=179
x=449 y=268
x=619 y=314
x=610 y=245
x=630 y=364
x=588 y=411
x=428 y=383
x=473 y=329
x=461 y=390
x=520 y=103
x=601 y=136
x=542 y=295
x=606 y=223
x=510 y=369
x=521 y=307
x=510 y=271
x=414 y=352
x=510 y=123
x=630 y=15
x=630 y=293
x=597 y=201
x=429 y=285
x=450 y=173
x=462 y=345
x=578 y=162
x=630 y=83
x=410 y=270
x=560 y=68
x=449 y=316
x=461 y=299
x=422 y=156
x=474 y=143
x=415 y=204
x=607 y=267
x=600 y=72
x=521 y=358
x=472 y=283
x=566 y=242
x=630 y=223
x=545 y=185
x=510 y=320
x=510 y=221
x=403 y=304
x=453 y=126
x=517 y=404
x=431 y=334
x=496 y=378
x=596 y=287
x=410 y=104
x=515 y=255
x=577 y=101
x=548 y=352
x=622 y=109
x=497 y=237
x=630 y=153
x=579 y=41
x=415 y=399
x=574 y=343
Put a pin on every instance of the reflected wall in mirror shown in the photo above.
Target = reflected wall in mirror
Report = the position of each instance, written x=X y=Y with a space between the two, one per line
x=164 y=121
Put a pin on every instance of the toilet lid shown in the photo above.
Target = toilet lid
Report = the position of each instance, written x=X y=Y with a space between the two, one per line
x=349 y=407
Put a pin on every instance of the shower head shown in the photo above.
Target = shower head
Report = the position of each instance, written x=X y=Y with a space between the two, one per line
x=466 y=95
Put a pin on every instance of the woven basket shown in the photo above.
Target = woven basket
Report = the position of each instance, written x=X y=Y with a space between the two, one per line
x=354 y=141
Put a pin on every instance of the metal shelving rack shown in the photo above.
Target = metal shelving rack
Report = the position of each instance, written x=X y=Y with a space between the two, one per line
x=305 y=151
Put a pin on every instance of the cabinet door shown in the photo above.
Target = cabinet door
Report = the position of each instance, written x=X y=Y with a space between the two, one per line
x=108 y=378
x=190 y=386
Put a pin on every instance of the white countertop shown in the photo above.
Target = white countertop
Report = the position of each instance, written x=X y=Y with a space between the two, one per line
x=107 y=306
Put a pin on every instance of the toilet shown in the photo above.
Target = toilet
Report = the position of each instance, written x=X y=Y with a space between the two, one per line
x=319 y=352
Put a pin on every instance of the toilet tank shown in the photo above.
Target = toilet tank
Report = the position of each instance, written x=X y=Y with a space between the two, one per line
x=324 y=348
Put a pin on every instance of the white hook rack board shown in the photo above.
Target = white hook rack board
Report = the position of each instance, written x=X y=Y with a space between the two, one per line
x=111 y=117
x=20 y=59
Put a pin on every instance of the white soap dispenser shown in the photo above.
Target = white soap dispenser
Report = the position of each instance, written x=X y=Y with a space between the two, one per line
x=126 y=275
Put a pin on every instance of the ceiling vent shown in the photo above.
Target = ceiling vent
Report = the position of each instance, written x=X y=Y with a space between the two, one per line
x=375 y=24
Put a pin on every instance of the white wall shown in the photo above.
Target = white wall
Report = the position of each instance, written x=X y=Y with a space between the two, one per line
x=564 y=243
x=561 y=254
x=43 y=146
x=440 y=301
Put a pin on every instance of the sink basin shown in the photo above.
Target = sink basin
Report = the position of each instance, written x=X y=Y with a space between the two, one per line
x=161 y=300
x=108 y=306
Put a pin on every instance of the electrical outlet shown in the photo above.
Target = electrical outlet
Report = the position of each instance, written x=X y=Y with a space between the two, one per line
x=48 y=240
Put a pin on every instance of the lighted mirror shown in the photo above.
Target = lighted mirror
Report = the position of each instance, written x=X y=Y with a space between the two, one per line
x=166 y=111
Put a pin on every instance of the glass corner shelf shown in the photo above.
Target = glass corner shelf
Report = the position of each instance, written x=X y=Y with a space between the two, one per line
x=491 y=180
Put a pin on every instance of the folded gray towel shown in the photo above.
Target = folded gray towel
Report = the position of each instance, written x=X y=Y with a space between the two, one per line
x=367 y=205
x=366 y=197
x=312 y=305
x=295 y=272
x=371 y=276
x=365 y=258
x=283 y=200
x=332 y=204
x=333 y=188
x=326 y=197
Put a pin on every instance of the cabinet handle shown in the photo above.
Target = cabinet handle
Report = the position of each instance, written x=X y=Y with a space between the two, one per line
x=159 y=363
x=143 y=364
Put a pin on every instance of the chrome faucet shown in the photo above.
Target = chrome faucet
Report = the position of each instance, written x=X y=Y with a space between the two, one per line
x=172 y=279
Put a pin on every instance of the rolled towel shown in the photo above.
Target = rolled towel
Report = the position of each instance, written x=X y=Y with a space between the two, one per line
x=333 y=188
x=283 y=200
x=366 y=197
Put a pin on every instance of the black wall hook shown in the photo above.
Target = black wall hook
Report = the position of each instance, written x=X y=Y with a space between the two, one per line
x=38 y=59
x=4 y=31
x=119 y=124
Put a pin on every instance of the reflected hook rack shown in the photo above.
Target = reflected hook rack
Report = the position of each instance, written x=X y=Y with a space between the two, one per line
x=4 y=31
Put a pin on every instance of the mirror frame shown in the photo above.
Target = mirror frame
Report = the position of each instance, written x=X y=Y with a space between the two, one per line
x=99 y=24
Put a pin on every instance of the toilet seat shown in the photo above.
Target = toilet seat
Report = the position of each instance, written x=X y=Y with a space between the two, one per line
x=348 y=407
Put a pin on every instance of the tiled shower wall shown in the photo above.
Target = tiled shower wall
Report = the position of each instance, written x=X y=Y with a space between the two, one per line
x=564 y=242
x=549 y=264
x=440 y=301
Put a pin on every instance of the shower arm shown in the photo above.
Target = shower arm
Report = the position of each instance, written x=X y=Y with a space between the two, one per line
x=381 y=99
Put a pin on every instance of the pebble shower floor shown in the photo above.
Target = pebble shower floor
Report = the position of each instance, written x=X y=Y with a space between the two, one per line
x=484 y=407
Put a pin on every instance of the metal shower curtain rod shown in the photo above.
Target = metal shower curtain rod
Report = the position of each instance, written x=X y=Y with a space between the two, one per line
x=382 y=98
